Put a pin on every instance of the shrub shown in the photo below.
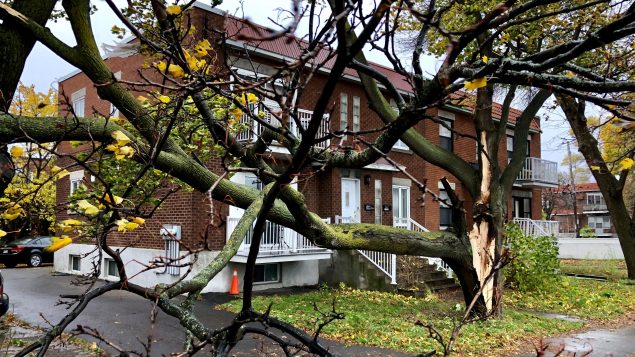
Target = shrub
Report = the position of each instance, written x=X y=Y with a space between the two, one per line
x=587 y=232
x=535 y=265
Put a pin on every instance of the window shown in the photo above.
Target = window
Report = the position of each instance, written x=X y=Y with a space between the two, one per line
x=594 y=199
x=343 y=111
x=446 y=137
x=78 y=101
x=252 y=180
x=599 y=222
x=445 y=212
x=510 y=148
x=378 y=203
x=110 y=268
x=76 y=179
x=400 y=205
x=114 y=112
x=267 y=273
x=399 y=145
x=356 y=112
x=74 y=263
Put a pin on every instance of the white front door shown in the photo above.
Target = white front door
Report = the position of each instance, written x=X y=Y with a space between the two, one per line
x=400 y=206
x=350 y=200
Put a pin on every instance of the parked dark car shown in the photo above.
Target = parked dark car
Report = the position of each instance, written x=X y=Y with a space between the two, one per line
x=29 y=250
x=4 y=298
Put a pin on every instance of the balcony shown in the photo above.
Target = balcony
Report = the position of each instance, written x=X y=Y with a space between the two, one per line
x=537 y=173
x=594 y=208
x=271 y=113
x=278 y=244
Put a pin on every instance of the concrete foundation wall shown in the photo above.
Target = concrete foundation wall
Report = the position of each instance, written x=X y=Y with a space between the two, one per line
x=590 y=248
x=297 y=273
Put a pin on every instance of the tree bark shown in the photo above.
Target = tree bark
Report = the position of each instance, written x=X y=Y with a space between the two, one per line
x=16 y=45
x=611 y=188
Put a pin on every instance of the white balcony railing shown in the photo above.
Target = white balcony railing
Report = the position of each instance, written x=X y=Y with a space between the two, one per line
x=537 y=170
x=598 y=207
x=276 y=240
x=536 y=228
x=270 y=113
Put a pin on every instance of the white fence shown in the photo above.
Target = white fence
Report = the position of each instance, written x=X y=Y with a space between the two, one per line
x=276 y=240
x=590 y=248
x=539 y=170
x=251 y=129
x=536 y=228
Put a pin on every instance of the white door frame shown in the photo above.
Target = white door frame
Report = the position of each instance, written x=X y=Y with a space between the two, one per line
x=394 y=204
x=357 y=214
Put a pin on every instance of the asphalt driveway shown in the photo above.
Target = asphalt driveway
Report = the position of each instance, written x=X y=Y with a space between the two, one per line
x=124 y=318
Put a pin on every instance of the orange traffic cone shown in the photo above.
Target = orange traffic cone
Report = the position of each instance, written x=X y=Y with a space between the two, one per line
x=233 y=290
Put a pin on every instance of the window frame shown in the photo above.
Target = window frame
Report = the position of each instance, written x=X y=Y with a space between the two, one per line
x=356 y=113
x=107 y=262
x=446 y=136
x=264 y=274
x=71 y=266
x=79 y=97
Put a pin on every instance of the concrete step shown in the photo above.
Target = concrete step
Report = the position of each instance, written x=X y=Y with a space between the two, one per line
x=434 y=275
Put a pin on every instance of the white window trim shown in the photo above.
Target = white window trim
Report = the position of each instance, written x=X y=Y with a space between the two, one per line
x=356 y=113
x=343 y=111
x=279 y=275
x=76 y=98
x=106 y=270
x=114 y=112
x=70 y=263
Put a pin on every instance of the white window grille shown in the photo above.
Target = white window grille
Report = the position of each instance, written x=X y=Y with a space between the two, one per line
x=172 y=235
x=78 y=102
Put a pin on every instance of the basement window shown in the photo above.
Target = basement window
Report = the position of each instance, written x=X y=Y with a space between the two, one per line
x=267 y=273
x=74 y=263
x=110 y=268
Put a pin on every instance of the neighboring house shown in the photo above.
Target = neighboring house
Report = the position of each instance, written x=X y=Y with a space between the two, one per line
x=591 y=207
x=377 y=193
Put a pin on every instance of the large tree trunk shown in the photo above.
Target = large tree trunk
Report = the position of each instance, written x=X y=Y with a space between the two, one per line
x=16 y=44
x=611 y=188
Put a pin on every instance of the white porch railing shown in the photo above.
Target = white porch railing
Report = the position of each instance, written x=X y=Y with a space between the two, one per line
x=385 y=262
x=412 y=225
x=538 y=170
x=252 y=129
x=276 y=240
x=535 y=228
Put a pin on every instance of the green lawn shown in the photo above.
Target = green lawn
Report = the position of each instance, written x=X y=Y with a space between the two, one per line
x=388 y=320
x=612 y=269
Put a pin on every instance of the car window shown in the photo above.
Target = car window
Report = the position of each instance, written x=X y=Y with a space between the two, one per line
x=45 y=241
x=21 y=241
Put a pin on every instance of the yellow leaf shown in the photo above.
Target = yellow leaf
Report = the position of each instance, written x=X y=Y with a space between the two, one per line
x=475 y=84
x=59 y=172
x=12 y=213
x=626 y=164
x=595 y=168
x=164 y=99
x=123 y=225
x=138 y=220
x=71 y=222
x=121 y=138
x=485 y=59
x=2 y=233
x=202 y=47
x=118 y=200
x=58 y=243
x=161 y=66
x=569 y=74
x=124 y=152
x=173 y=10
x=176 y=71
x=143 y=100
x=17 y=151
x=87 y=208
x=505 y=37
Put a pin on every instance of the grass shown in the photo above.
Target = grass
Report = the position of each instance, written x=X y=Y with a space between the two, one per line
x=611 y=269
x=388 y=320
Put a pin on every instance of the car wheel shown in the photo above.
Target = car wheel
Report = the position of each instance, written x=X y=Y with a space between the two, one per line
x=10 y=264
x=35 y=260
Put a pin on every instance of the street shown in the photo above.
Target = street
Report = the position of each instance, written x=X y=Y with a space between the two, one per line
x=124 y=318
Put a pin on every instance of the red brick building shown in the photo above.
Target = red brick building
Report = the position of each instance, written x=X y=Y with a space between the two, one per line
x=591 y=208
x=377 y=193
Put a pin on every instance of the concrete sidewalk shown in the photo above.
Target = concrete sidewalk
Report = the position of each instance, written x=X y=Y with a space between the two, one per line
x=124 y=318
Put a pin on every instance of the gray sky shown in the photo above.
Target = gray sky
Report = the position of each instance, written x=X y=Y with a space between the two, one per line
x=43 y=68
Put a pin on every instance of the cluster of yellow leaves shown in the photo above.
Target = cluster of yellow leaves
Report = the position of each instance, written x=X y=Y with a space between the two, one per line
x=475 y=83
x=2 y=233
x=58 y=243
x=69 y=225
x=124 y=225
x=59 y=172
x=173 y=10
x=120 y=147
x=194 y=62
x=87 y=208
x=13 y=212
x=17 y=151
